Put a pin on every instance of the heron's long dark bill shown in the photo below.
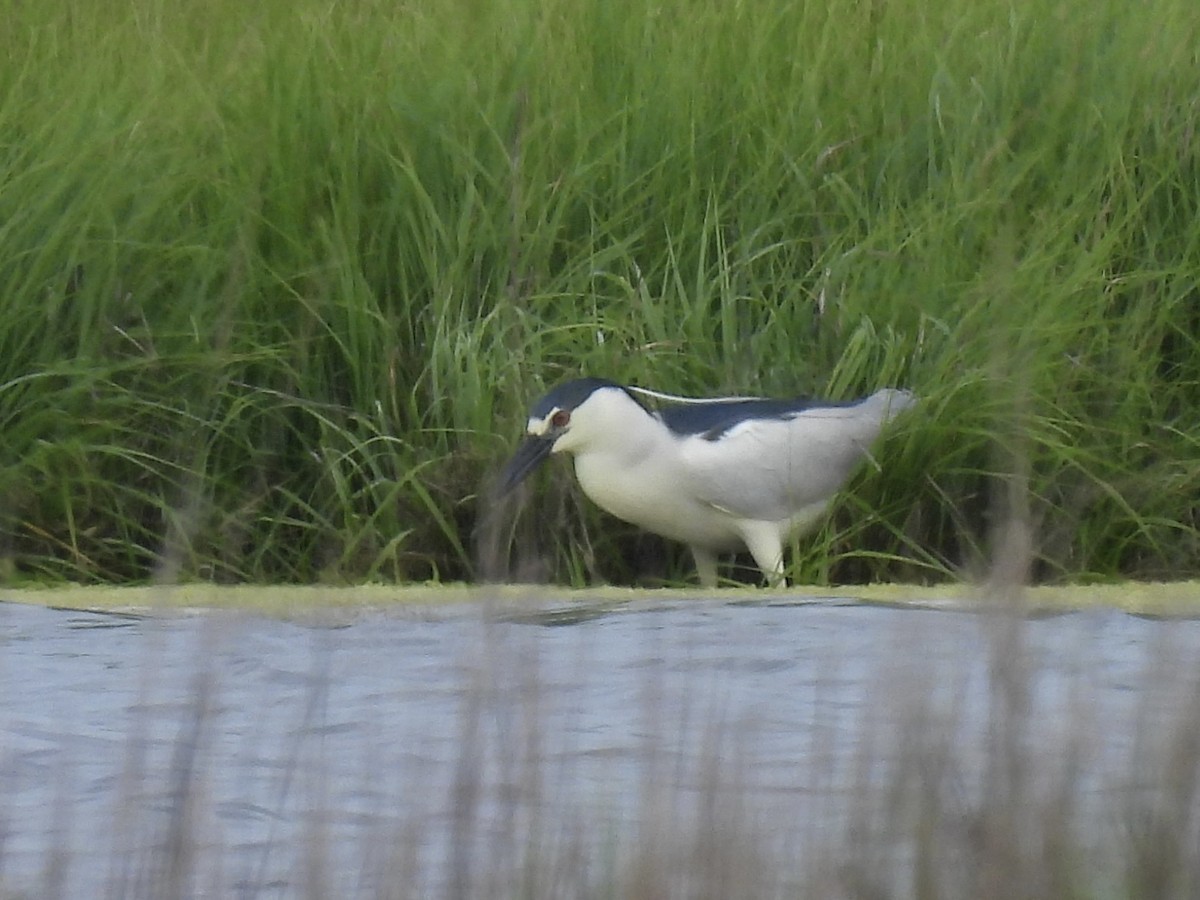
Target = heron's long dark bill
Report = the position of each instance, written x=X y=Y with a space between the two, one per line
x=527 y=458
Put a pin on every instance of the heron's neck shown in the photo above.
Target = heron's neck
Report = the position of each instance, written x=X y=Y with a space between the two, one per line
x=628 y=434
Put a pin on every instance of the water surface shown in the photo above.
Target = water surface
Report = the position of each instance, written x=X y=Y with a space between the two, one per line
x=270 y=749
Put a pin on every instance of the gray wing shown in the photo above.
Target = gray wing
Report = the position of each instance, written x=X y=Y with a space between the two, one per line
x=770 y=469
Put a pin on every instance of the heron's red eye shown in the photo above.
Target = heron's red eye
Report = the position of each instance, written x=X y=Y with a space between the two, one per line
x=560 y=418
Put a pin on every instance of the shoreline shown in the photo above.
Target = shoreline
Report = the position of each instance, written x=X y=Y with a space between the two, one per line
x=1168 y=599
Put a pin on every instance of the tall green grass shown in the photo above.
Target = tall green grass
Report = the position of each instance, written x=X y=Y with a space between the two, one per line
x=279 y=281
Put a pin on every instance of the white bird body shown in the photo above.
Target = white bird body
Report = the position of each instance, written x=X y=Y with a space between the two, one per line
x=715 y=475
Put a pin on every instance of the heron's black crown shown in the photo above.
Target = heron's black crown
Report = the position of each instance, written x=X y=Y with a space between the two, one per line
x=570 y=394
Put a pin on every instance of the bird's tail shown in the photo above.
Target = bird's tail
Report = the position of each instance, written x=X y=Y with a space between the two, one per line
x=888 y=403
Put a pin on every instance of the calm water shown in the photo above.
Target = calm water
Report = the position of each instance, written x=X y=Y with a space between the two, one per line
x=254 y=741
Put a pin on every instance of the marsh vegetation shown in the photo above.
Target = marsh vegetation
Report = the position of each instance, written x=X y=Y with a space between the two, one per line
x=279 y=280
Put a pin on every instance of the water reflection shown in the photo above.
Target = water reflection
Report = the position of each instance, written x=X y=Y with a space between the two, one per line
x=400 y=740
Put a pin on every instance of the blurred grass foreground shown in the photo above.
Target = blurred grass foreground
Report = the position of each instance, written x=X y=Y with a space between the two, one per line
x=709 y=751
x=279 y=279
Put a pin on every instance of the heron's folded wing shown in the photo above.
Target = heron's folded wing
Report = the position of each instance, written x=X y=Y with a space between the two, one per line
x=770 y=469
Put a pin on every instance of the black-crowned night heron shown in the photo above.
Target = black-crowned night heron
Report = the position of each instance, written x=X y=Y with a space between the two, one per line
x=716 y=474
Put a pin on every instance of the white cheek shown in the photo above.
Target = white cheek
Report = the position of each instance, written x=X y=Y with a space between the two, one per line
x=570 y=441
x=537 y=427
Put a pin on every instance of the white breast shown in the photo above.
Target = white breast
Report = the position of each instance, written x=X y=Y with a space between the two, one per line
x=646 y=493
